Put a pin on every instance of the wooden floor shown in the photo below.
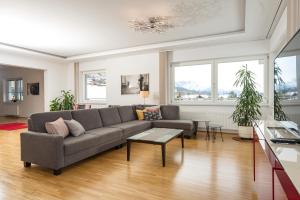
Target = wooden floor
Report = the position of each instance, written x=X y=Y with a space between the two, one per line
x=203 y=170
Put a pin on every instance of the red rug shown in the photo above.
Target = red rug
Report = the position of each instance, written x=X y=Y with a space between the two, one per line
x=12 y=126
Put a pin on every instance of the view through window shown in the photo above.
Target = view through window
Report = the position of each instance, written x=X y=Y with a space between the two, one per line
x=192 y=83
x=214 y=81
x=227 y=76
x=14 y=90
x=95 y=85
x=288 y=73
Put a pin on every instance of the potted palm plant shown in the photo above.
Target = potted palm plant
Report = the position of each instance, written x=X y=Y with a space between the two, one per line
x=247 y=108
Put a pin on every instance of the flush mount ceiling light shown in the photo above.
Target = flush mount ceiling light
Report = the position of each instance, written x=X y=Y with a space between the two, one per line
x=182 y=13
x=152 y=24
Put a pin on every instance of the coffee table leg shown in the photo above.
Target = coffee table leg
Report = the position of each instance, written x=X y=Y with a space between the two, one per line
x=221 y=134
x=163 y=153
x=182 y=140
x=128 y=150
x=207 y=130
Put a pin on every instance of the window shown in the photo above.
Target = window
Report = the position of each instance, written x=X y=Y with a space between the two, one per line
x=212 y=81
x=227 y=76
x=94 y=85
x=288 y=73
x=14 y=90
x=192 y=83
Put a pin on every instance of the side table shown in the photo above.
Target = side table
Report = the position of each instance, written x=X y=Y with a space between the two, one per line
x=214 y=128
x=206 y=122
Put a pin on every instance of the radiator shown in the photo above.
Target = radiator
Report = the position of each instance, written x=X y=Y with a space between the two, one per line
x=223 y=119
x=10 y=110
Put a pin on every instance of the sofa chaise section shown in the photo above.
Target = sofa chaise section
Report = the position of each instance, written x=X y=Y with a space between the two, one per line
x=186 y=125
x=171 y=119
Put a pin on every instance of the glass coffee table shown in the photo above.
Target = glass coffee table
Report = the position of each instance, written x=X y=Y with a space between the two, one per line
x=158 y=136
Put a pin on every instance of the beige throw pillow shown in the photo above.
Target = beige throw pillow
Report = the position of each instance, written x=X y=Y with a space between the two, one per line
x=57 y=127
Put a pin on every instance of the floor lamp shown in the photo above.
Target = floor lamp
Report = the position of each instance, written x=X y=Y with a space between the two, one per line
x=144 y=94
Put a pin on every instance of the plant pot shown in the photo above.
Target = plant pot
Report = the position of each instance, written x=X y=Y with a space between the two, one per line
x=246 y=132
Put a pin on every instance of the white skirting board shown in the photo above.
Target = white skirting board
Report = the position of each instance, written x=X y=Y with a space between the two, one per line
x=202 y=129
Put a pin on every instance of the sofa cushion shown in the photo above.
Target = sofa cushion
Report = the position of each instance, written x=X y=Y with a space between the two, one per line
x=107 y=134
x=176 y=124
x=154 y=109
x=170 y=112
x=110 y=116
x=75 y=128
x=140 y=114
x=152 y=115
x=91 y=139
x=126 y=113
x=88 y=118
x=38 y=120
x=57 y=127
x=133 y=127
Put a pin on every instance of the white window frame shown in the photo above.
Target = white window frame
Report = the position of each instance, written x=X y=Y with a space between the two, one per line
x=290 y=102
x=83 y=87
x=172 y=81
x=6 y=96
x=241 y=59
x=214 y=79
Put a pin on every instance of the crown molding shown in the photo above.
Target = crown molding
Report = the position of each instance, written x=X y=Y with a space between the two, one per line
x=14 y=48
x=158 y=46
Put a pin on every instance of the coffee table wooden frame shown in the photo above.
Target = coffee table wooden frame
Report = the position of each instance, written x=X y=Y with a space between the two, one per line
x=163 y=145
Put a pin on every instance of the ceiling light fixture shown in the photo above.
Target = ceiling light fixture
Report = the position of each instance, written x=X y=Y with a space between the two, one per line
x=152 y=24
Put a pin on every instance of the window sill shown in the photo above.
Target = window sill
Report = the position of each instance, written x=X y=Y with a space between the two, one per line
x=290 y=103
x=93 y=102
x=211 y=103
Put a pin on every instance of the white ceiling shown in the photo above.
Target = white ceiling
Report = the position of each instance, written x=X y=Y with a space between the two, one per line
x=68 y=28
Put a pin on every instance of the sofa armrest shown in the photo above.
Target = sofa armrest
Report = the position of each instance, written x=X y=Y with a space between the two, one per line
x=43 y=149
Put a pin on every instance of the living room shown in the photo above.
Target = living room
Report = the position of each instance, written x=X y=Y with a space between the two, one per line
x=99 y=65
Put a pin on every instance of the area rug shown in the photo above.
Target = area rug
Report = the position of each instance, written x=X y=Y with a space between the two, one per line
x=12 y=126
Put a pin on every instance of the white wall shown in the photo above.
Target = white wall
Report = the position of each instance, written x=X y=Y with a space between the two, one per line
x=56 y=70
x=126 y=65
x=222 y=51
x=149 y=63
x=31 y=103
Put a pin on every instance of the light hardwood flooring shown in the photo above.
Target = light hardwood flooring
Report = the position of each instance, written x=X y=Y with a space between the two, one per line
x=203 y=170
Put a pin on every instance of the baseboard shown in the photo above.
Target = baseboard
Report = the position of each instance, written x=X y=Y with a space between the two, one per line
x=231 y=131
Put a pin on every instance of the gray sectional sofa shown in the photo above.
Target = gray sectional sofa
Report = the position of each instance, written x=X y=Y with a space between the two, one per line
x=105 y=128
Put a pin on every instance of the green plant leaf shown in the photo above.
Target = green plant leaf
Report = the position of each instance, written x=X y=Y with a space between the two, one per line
x=247 y=108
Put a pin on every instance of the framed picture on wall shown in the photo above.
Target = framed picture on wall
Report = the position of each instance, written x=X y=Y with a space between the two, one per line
x=33 y=88
x=133 y=84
